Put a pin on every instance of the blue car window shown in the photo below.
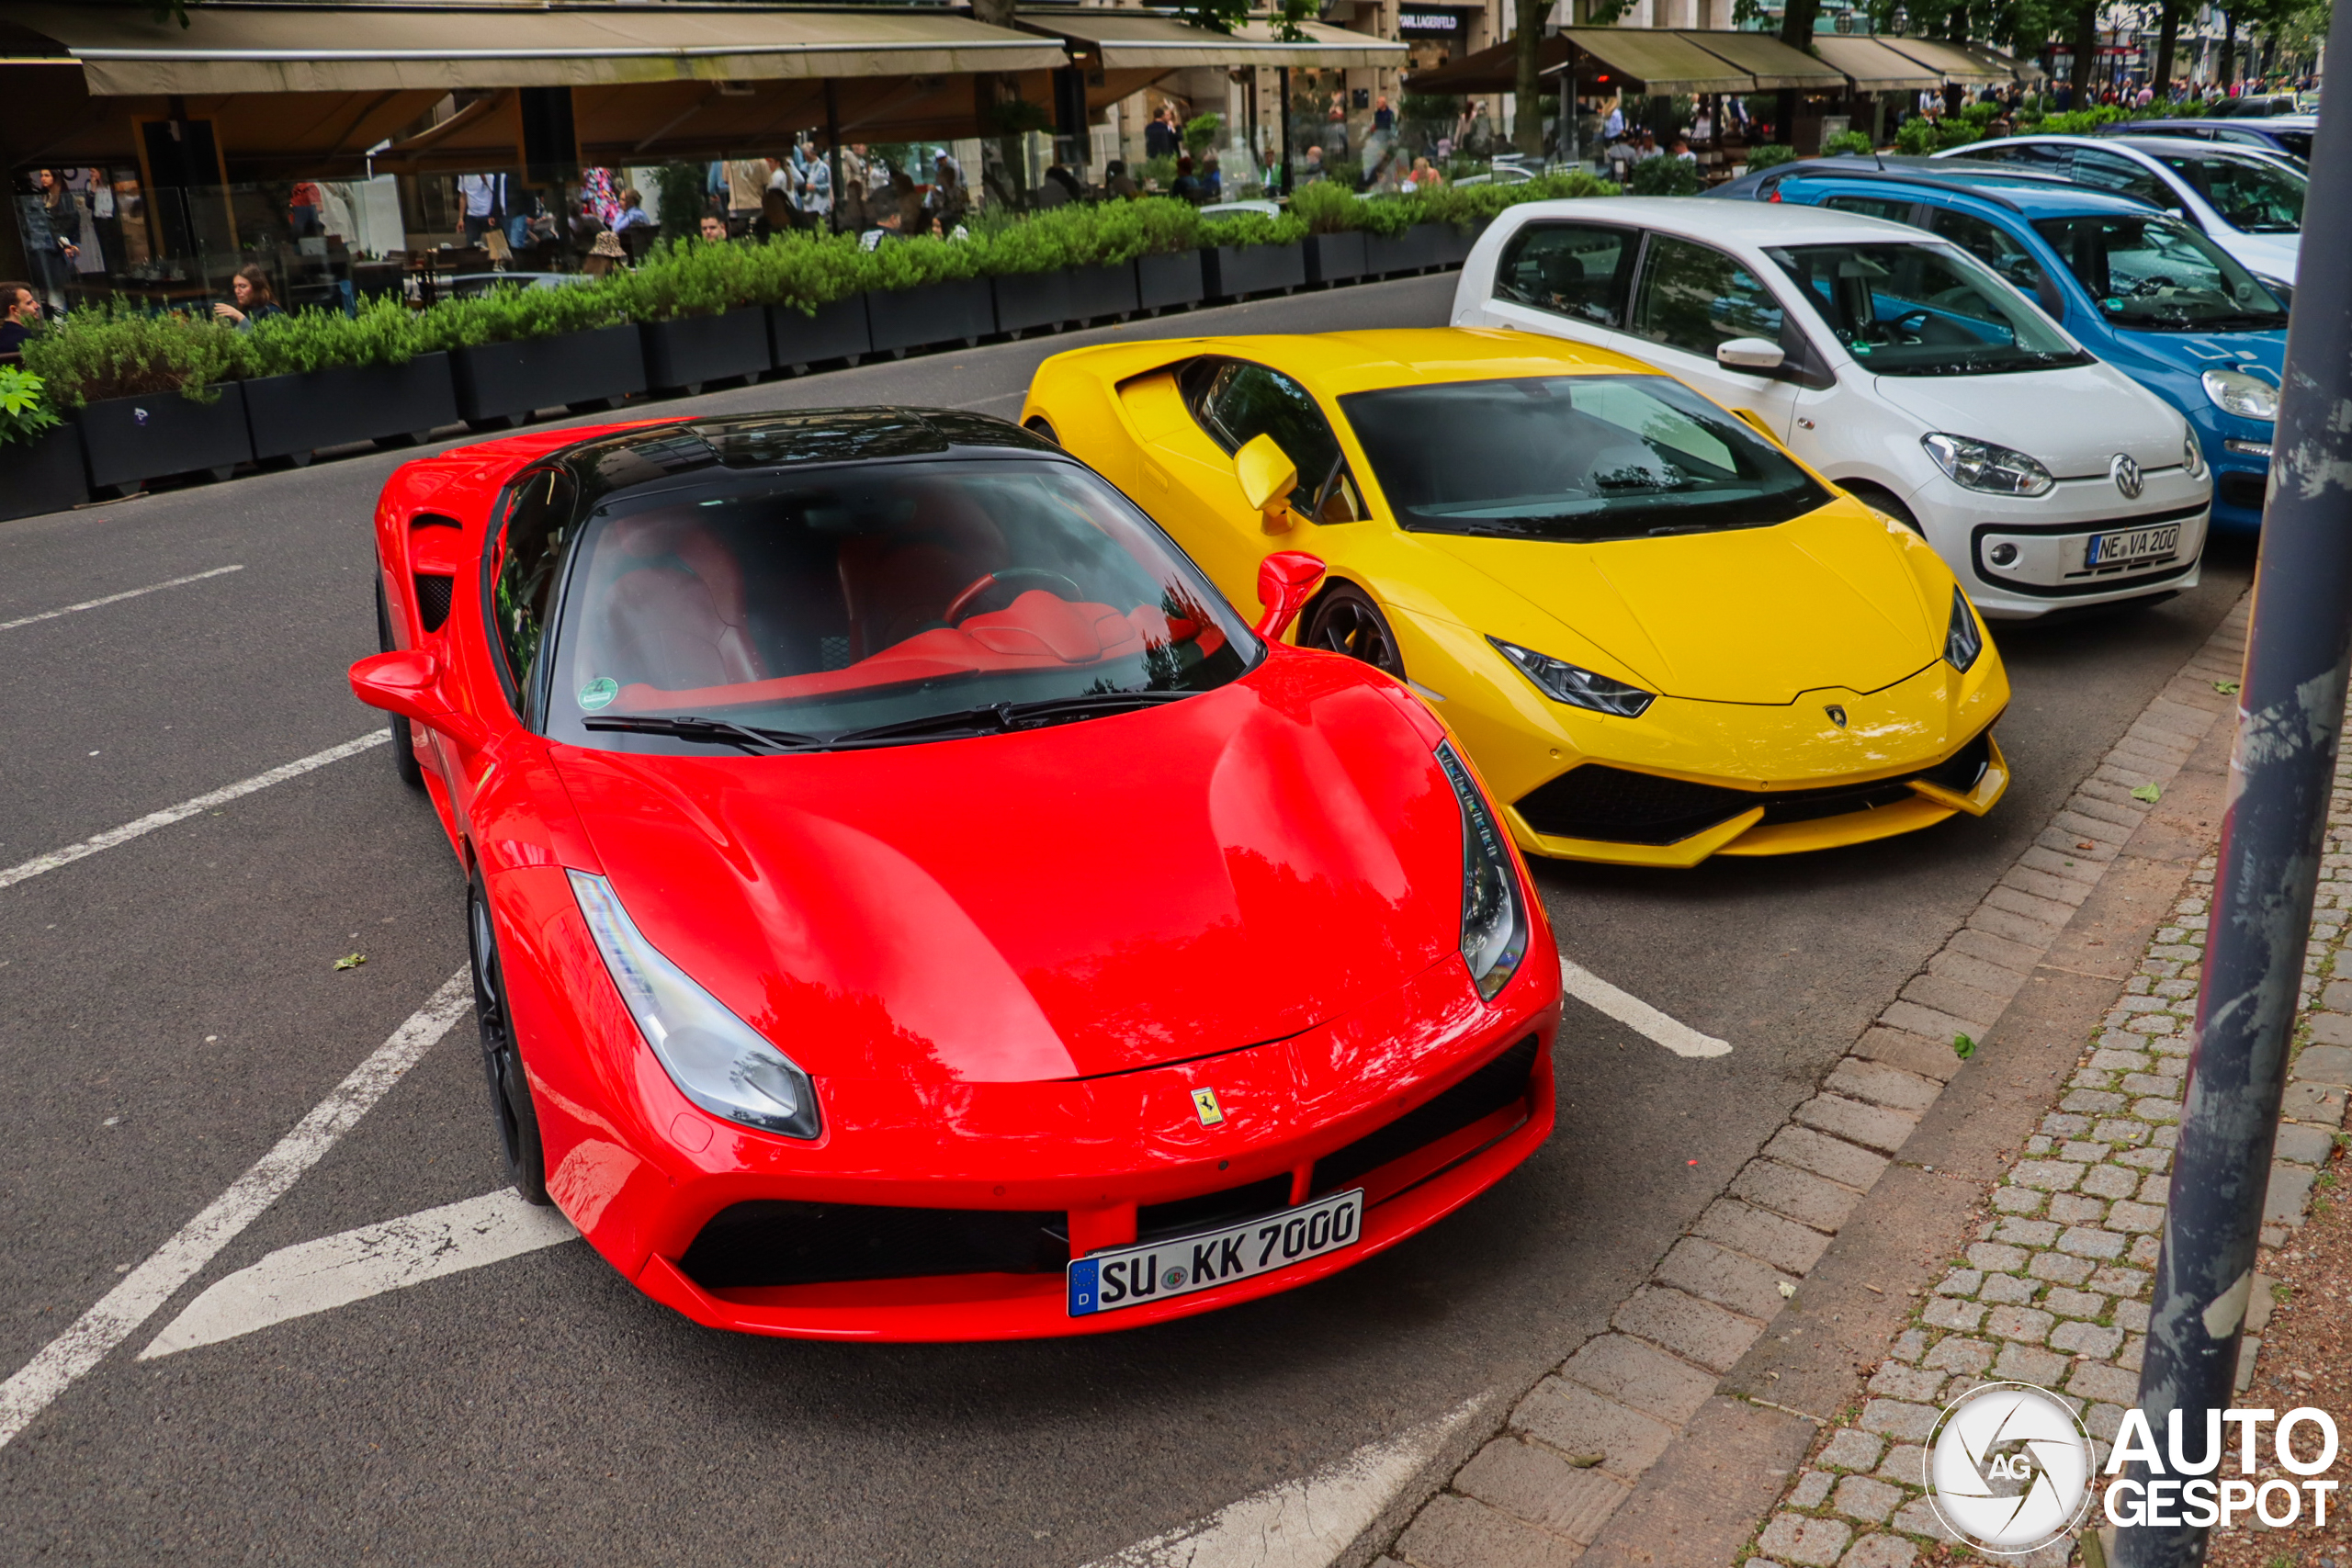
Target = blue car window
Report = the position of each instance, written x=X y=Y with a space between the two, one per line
x=1992 y=244
x=1694 y=298
x=1871 y=206
x=2158 y=275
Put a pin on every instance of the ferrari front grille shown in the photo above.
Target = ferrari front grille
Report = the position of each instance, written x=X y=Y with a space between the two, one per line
x=783 y=1242
x=1619 y=805
x=432 y=600
x=1500 y=1083
x=1209 y=1211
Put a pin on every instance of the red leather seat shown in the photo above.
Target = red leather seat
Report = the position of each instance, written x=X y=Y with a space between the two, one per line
x=895 y=584
x=668 y=608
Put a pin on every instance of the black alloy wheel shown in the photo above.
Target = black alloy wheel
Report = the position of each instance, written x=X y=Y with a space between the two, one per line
x=1885 y=505
x=1039 y=424
x=1345 y=620
x=502 y=1058
x=405 y=760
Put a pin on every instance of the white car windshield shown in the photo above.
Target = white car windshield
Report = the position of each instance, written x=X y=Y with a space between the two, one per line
x=2253 y=196
x=1906 y=309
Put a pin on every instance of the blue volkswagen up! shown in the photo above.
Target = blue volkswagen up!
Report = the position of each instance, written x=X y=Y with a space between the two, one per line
x=2138 y=286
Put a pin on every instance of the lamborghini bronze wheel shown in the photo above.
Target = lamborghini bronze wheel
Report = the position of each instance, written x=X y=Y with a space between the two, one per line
x=1345 y=620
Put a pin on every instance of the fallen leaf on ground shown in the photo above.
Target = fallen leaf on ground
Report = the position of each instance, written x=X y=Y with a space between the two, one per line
x=1788 y=1290
x=2227 y=688
x=1963 y=1046
x=1586 y=1462
x=351 y=960
x=2148 y=792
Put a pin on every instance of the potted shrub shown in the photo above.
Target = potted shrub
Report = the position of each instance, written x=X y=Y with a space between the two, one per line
x=515 y=351
x=151 y=390
x=924 y=291
x=1156 y=241
x=41 y=455
x=1248 y=253
x=700 y=315
x=320 y=379
x=1334 y=243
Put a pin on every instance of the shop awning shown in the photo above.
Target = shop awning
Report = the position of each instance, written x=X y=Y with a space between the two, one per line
x=1492 y=70
x=2008 y=66
x=1874 y=68
x=1951 y=61
x=1660 y=61
x=1127 y=40
x=232 y=48
x=1773 y=63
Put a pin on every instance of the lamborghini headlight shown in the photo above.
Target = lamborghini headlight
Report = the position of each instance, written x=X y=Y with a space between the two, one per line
x=1981 y=464
x=2248 y=397
x=1576 y=686
x=716 y=1059
x=1494 y=920
x=1964 y=640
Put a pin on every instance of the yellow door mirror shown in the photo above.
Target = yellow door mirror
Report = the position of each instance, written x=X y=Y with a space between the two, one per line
x=1267 y=476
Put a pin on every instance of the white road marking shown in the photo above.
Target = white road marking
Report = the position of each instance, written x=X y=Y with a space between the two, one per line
x=336 y=1270
x=187 y=808
x=145 y=1289
x=1301 y=1524
x=1638 y=1015
x=117 y=598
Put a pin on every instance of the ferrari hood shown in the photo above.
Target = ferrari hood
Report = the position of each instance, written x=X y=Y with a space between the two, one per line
x=2075 y=420
x=1090 y=898
x=1746 y=615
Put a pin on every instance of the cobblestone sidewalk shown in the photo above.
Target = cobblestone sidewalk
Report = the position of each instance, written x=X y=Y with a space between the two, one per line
x=2055 y=1289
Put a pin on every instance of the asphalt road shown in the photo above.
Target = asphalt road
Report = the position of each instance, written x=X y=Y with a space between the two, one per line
x=170 y=1008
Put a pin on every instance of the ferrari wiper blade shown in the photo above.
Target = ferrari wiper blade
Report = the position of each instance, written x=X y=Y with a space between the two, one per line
x=719 y=731
x=1001 y=717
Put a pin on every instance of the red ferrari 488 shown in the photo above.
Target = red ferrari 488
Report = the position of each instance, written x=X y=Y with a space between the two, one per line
x=908 y=903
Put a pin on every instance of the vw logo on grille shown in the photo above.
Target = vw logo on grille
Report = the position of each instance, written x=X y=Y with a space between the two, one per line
x=2126 y=475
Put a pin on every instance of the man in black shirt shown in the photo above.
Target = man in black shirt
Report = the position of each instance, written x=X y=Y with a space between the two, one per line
x=20 y=314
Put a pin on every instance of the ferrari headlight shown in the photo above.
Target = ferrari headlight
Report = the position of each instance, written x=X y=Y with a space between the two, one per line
x=1963 y=640
x=1981 y=464
x=2192 y=457
x=1494 y=920
x=716 y=1059
x=1578 y=687
x=2248 y=397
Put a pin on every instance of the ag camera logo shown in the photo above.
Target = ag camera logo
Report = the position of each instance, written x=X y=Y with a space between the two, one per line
x=2008 y=1468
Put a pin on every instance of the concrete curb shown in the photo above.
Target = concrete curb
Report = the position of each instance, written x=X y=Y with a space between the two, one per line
x=1634 y=1450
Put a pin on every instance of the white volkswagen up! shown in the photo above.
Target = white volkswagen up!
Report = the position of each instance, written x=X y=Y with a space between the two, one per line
x=1894 y=363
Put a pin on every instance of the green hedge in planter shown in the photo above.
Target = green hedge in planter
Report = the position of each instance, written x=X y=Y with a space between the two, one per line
x=1770 y=155
x=115 y=351
x=519 y=315
x=1327 y=208
x=385 y=331
x=24 y=409
x=1242 y=229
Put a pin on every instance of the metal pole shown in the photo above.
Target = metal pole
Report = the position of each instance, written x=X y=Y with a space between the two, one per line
x=2290 y=714
x=833 y=156
x=1282 y=124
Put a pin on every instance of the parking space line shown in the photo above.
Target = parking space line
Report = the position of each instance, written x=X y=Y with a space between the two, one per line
x=336 y=1270
x=117 y=598
x=113 y=837
x=145 y=1289
x=1302 y=1524
x=1638 y=1015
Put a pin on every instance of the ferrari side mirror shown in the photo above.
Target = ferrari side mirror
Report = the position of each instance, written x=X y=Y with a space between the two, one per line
x=1267 y=476
x=1286 y=581
x=409 y=684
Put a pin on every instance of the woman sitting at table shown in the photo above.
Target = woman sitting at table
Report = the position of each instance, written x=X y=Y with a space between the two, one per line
x=255 y=299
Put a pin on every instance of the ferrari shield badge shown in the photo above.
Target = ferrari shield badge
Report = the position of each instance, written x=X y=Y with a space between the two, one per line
x=1204 y=1105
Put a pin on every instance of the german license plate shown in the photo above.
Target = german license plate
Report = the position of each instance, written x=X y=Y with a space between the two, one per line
x=1153 y=1271
x=2135 y=544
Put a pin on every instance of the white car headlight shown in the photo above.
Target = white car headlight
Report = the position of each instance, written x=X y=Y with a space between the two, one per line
x=2248 y=397
x=1572 y=683
x=1494 y=922
x=1964 y=640
x=2192 y=455
x=1981 y=464
x=716 y=1059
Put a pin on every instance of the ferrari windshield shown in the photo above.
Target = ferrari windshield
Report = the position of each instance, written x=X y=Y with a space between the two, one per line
x=1572 y=458
x=2160 y=275
x=1906 y=309
x=875 y=604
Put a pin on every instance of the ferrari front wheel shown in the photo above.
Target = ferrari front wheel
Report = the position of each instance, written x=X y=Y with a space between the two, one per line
x=1345 y=620
x=502 y=1058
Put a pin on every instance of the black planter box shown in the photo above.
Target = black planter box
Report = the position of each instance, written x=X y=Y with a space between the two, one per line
x=43 y=474
x=1334 y=258
x=1028 y=301
x=131 y=440
x=957 y=310
x=1453 y=244
x=295 y=415
x=1166 y=281
x=1099 y=292
x=1415 y=250
x=1232 y=271
x=686 y=352
x=502 y=382
x=838 y=331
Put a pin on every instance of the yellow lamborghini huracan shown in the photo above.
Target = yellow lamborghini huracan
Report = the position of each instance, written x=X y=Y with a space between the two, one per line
x=1661 y=636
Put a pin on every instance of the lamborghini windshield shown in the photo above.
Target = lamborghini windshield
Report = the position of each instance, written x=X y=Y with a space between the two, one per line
x=862 y=604
x=1572 y=458
x=1906 y=309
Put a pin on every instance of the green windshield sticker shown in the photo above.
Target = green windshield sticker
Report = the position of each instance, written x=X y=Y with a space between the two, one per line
x=599 y=692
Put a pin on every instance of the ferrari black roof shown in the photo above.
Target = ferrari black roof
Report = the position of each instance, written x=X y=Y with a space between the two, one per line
x=763 y=441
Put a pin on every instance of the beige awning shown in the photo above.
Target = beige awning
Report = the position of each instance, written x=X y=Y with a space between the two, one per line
x=232 y=48
x=1874 y=68
x=1952 y=63
x=1125 y=40
x=1661 y=61
x=1773 y=63
x=2007 y=66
